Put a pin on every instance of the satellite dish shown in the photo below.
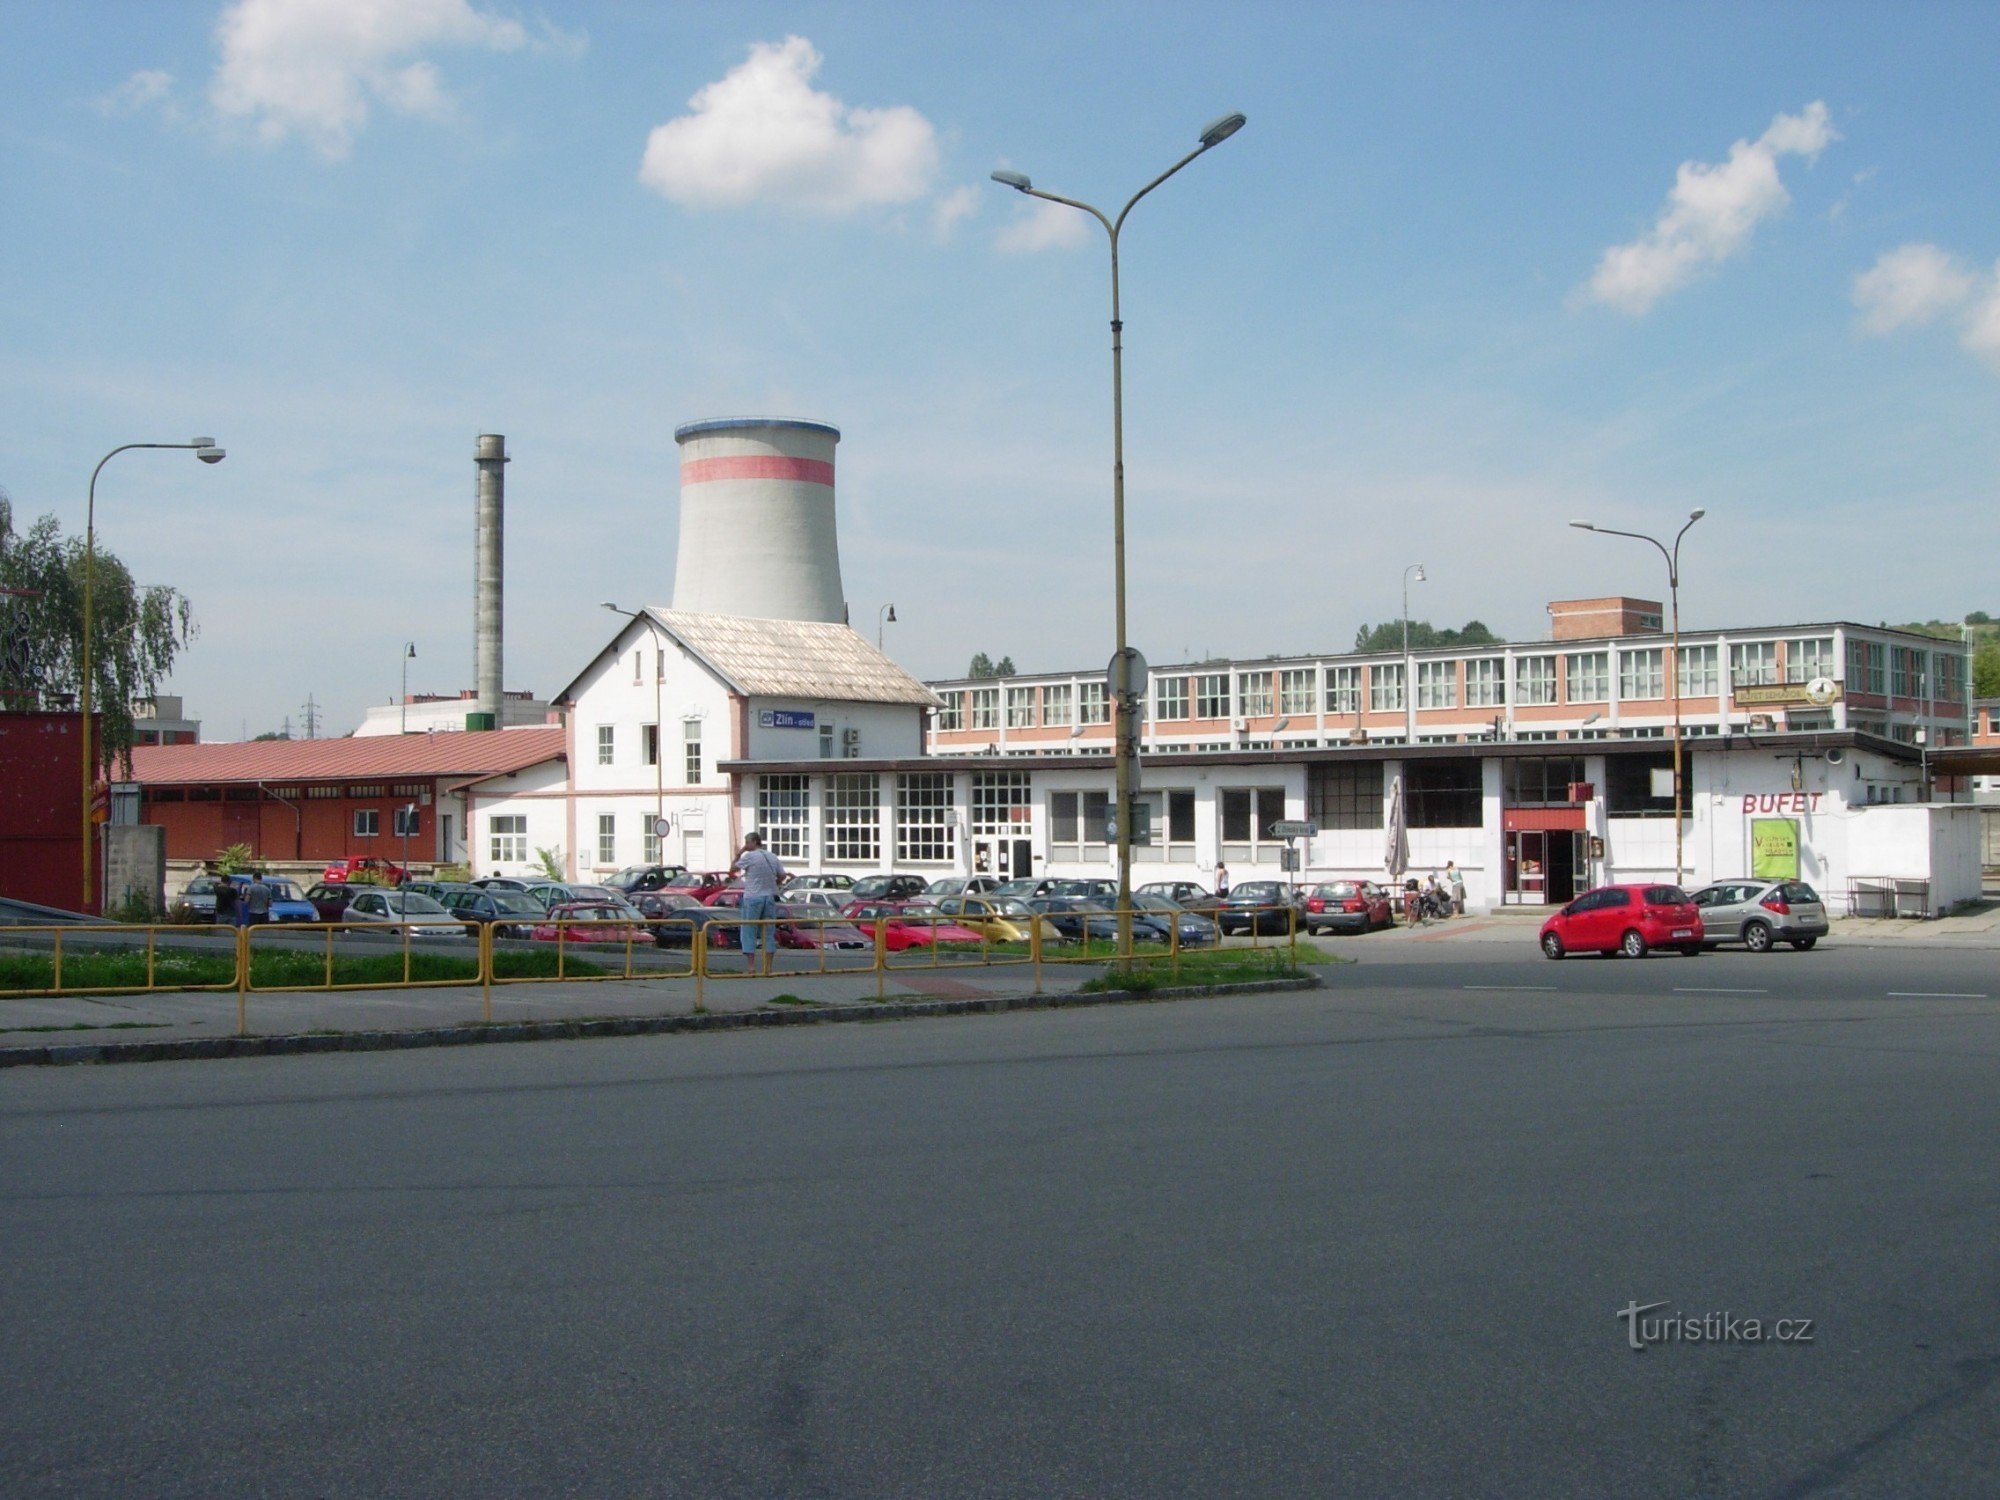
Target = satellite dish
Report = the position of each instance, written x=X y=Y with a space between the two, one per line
x=1822 y=691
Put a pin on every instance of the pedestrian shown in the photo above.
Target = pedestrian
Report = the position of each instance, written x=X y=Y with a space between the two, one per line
x=1455 y=878
x=225 y=901
x=761 y=874
x=256 y=900
x=1221 y=879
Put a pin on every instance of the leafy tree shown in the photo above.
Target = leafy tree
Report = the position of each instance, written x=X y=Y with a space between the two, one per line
x=136 y=632
x=1423 y=636
x=1004 y=667
x=984 y=666
x=551 y=862
x=1979 y=617
x=1986 y=670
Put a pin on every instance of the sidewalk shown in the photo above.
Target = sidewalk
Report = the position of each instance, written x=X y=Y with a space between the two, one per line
x=1975 y=927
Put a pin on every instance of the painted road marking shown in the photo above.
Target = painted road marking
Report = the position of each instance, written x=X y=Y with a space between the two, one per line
x=1518 y=989
x=1679 y=991
x=1932 y=995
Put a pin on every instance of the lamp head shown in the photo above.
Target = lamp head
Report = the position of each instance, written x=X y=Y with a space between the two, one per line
x=410 y=650
x=206 y=451
x=892 y=614
x=1215 y=132
x=1584 y=525
x=615 y=609
x=1419 y=576
x=1697 y=513
x=1016 y=180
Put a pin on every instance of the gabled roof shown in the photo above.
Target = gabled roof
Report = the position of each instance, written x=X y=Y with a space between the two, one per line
x=468 y=753
x=815 y=659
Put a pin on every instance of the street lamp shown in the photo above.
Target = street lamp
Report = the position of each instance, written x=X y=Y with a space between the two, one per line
x=409 y=655
x=1125 y=748
x=886 y=613
x=1414 y=573
x=1673 y=558
x=204 y=449
x=659 y=731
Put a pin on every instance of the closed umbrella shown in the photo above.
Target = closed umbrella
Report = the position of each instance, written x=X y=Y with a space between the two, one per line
x=1396 y=857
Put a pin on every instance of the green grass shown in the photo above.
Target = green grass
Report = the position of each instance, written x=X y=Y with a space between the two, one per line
x=1152 y=971
x=176 y=968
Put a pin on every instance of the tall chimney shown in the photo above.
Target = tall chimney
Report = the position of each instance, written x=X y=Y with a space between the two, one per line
x=490 y=457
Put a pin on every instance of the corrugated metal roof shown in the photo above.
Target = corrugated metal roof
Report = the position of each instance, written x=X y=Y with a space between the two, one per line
x=456 y=753
x=794 y=658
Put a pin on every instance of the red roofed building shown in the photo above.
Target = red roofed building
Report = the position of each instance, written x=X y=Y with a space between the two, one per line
x=318 y=800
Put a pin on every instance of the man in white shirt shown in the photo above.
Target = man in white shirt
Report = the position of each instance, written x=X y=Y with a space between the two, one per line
x=761 y=874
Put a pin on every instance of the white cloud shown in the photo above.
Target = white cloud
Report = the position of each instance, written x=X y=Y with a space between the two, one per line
x=1909 y=286
x=312 y=67
x=958 y=204
x=1710 y=213
x=1044 y=226
x=763 y=134
x=142 y=90
x=1982 y=328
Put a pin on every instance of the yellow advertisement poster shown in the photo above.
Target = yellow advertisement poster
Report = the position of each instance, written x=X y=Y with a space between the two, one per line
x=1774 y=849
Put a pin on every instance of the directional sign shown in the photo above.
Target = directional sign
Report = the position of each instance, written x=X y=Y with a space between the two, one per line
x=1127 y=672
x=1290 y=830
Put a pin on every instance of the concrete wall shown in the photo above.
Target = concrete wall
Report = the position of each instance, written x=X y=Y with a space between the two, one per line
x=135 y=865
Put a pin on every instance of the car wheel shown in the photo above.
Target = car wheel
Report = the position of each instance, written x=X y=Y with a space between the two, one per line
x=1552 y=946
x=1803 y=943
x=1633 y=944
x=1691 y=950
x=1757 y=936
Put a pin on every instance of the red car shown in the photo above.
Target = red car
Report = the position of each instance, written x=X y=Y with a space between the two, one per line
x=365 y=867
x=700 y=884
x=798 y=926
x=1627 y=919
x=589 y=922
x=908 y=924
x=1348 y=906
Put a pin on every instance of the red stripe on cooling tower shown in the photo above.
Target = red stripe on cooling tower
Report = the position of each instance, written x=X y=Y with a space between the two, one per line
x=757 y=466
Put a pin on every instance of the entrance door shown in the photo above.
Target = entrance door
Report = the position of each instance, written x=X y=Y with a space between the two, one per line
x=989 y=857
x=1023 y=863
x=1562 y=866
x=1527 y=866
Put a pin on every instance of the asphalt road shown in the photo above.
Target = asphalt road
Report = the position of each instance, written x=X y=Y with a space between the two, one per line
x=1369 y=1241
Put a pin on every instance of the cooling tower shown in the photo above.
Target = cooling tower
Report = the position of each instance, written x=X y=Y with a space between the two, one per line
x=489 y=456
x=757 y=533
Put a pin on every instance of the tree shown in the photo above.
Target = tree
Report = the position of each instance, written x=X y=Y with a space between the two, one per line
x=1423 y=636
x=984 y=666
x=135 y=632
x=1986 y=670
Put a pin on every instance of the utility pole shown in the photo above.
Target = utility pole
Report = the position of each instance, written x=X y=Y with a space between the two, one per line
x=311 y=711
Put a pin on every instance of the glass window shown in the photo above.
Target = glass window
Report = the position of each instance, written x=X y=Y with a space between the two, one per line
x=1628 y=788
x=1256 y=695
x=1535 y=679
x=1343 y=690
x=1170 y=698
x=1000 y=802
x=1809 y=657
x=1866 y=667
x=986 y=708
x=691 y=751
x=1697 y=672
x=784 y=808
x=1180 y=817
x=926 y=829
x=1296 y=690
x=1057 y=701
x=1486 y=682
x=1589 y=677
x=1753 y=663
x=1437 y=684
x=1345 y=796
x=367 y=822
x=1092 y=703
x=951 y=715
x=1444 y=793
x=607 y=838
x=507 y=835
x=607 y=738
x=407 y=821
x=1539 y=781
x=1642 y=673
x=1078 y=818
x=853 y=818
x=1211 y=695
x=1385 y=687
x=1247 y=816
x=1020 y=708
x=649 y=744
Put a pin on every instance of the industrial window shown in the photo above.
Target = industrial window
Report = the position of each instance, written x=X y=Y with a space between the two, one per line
x=951 y=712
x=1696 y=670
x=1256 y=695
x=1058 y=704
x=649 y=841
x=1170 y=698
x=1485 y=682
x=784 y=807
x=1345 y=796
x=1385 y=687
x=649 y=744
x=607 y=838
x=1247 y=816
x=1077 y=819
x=1343 y=690
x=926 y=830
x=1951 y=672
x=507 y=835
x=367 y=822
x=1020 y=708
x=1295 y=690
x=1444 y=793
x=1535 y=679
x=1000 y=802
x=1539 y=781
x=1211 y=695
x=1628 y=786
x=1753 y=663
x=1589 y=677
x=986 y=708
x=1180 y=817
x=1809 y=657
x=853 y=818
x=408 y=820
x=691 y=751
x=1907 y=672
x=1642 y=673
x=1865 y=667
x=1092 y=703
x=607 y=738
x=1437 y=684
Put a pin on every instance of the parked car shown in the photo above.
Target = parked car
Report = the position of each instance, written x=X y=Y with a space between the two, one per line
x=635 y=878
x=1185 y=893
x=1260 y=906
x=371 y=905
x=1348 y=906
x=908 y=924
x=1089 y=890
x=1003 y=919
x=962 y=885
x=437 y=890
x=329 y=901
x=605 y=894
x=698 y=882
x=1077 y=918
x=288 y=903
x=1759 y=913
x=364 y=867
x=799 y=926
x=511 y=914
x=841 y=883
x=1025 y=886
x=888 y=887
x=674 y=916
x=1627 y=919
x=547 y=893
x=589 y=922
x=501 y=883
x=1196 y=930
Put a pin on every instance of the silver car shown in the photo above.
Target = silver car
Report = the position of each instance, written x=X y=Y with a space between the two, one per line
x=383 y=904
x=1759 y=913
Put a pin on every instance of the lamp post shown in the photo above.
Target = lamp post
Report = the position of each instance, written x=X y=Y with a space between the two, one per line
x=409 y=654
x=1673 y=558
x=659 y=732
x=1413 y=573
x=886 y=613
x=1125 y=747
x=204 y=449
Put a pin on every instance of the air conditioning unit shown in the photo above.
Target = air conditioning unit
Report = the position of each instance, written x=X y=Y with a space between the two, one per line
x=1239 y=725
x=850 y=737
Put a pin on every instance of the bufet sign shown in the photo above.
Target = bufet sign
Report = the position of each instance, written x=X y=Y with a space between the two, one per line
x=1780 y=802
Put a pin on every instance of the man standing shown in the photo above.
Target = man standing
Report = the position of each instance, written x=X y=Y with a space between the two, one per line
x=225 y=901
x=761 y=873
x=256 y=900
x=1455 y=878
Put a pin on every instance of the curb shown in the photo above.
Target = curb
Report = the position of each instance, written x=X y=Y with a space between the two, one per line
x=59 y=1054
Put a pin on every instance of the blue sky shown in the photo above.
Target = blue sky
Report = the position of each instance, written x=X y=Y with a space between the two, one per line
x=1469 y=272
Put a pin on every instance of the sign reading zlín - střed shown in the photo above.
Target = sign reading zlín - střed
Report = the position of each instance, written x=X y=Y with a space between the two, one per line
x=784 y=718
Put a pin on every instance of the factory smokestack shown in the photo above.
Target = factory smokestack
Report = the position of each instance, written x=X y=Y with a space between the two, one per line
x=488 y=550
x=757 y=533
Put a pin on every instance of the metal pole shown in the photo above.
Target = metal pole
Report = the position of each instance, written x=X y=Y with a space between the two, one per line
x=1409 y=664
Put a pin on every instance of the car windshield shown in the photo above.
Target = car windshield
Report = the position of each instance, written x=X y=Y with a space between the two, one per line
x=413 y=904
x=284 y=890
x=1665 y=895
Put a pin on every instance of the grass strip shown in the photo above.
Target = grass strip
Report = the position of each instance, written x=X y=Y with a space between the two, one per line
x=173 y=969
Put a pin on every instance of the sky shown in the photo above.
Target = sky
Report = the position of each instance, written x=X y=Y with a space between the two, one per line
x=1469 y=272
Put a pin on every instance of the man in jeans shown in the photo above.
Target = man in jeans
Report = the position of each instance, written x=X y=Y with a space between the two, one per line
x=761 y=873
